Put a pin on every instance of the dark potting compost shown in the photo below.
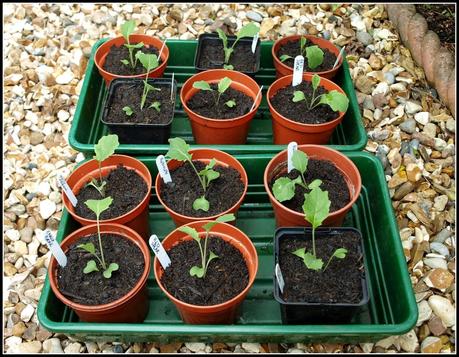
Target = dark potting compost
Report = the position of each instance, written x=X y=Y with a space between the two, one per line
x=339 y=283
x=333 y=181
x=282 y=102
x=292 y=48
x=130 y=95
x=93 y=288
x=125 y=186
x=185 y=187
x=204 y=103
x=114 y=65
x=226 y=275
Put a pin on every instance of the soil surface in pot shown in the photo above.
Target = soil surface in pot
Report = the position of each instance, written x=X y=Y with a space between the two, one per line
x=341 y=281
x=185 y=187
x=125 y=186
x=204 y=103
x=212 y=56
x=114 y=65
x=226 y=276
x=130 y=95
x=333 y=181
x=93 y=288
x=292 y=48
x=283 y=103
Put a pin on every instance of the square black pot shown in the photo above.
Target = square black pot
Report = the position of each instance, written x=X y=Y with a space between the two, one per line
x=213 y=38
x=317 y=313
x=133 y=133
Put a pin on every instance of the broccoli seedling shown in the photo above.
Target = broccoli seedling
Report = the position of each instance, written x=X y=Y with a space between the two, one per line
x=313 y=54
x=98 y=206
x=126 y=30
x=223 y=85
x=149 y=62
x=200 y=272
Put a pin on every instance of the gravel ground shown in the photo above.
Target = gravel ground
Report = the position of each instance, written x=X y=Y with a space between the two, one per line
x=410 y=131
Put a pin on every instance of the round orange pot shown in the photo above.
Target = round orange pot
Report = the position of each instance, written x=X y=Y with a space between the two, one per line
x=284 y=70
x=286 y=217
x=204 y=155
x=220 y=131
x=137 y=218
x=150 y=41
x=132 y=307
x=227 y=312
x=286 y=130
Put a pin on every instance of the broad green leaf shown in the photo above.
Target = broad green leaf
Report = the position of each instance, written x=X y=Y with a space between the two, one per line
x=228 y=66
x=111 y=268
x=248 y=30
x=223 y=37
x=125 y=62
x=201 y=203
x=127 y=28
x=315 y=81
x=300 y=252
x=315 y=56
x=128 y=110
x=98 y=206
x=315 y=184
x=156 y=105
x=89 y=247
x=298 y=96
x=202 y=85
x=197 y=271
x=340 y=253
x=211 y=175
x=106 y=146
x=193 y=233
x=178 y=150
x=149 y=61
x=316 y=206
x=312 y=262
x=135 y=45
x=230 y=103
x=284 y=188
x=224 y=84
x=211 y=164
x=222 y=219
x=90 y=267
x=284 y=58
x=336 y=100
x=300 y=161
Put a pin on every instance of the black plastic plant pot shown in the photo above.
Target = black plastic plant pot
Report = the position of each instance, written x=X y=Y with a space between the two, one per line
x=140 y=133
x=318 y=313
x=208 y=41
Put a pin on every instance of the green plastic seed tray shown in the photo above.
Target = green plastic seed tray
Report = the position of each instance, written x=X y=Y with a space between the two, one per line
x=392 y=309
x=87 y=129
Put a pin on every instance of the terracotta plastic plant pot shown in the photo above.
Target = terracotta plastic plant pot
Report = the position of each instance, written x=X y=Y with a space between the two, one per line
x=227 y=312
x=220 y=131
x=204 y=155
x=286 y=130
x=132 y=307
x=137 y=218
x=284 y=70
x=103 y=50
x=286 y=217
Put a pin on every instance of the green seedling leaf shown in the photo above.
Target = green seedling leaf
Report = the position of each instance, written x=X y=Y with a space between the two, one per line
x=111 y=268
x=315 y=81
x=125 y=62
x=300 y=252
x=128 y=110
x=201 y=204
x=223 y=37
x=202 y=85
x=316 y=206
x=315 y=184
x=127 y=28
x=193 y=233
x=212 y=256
x=248 y=30
x=230 y=103
x=340 y=253
x=179 y=150
x=209 y=174
x=300 y=161
x=135 y=45
x=223 y=85
x=149 y=61
x=150 y=87
x=156 y=105
x=284 y=188
x=106 y=146
x=336 y=100
x=197 y=271
x=222 y=219
x=284 y=58
x=89 y=247
x=298 y=96
x=302 y=44
x=315 y=56
x=312 y=262
x=99 y=206
x=228 y=66
x=90 y=267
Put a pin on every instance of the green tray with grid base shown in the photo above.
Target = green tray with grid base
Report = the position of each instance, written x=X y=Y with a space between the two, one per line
x=87 y=128
x=392 y=308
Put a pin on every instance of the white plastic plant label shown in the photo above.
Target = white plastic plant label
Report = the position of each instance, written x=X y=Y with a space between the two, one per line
x=172 y=86
x=159 y=251
x=55 y=249
x=66 y=188
x=163 y=169
x=256 y=98
x=339 y=56
x=255 y=41
x=280 y=278
x=291 y=148
x=298 y=70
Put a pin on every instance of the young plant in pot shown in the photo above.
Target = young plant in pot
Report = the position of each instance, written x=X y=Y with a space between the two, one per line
x=213 y=266
x=312 y=165
x=141 y=111
x=206 y=183
x=319 y=275
x=239 y=53
x=117 y=58
x=320 y=55
x=104 y=279
x=306 y=113
x=124 y=178
x=220 y=105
